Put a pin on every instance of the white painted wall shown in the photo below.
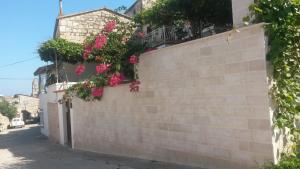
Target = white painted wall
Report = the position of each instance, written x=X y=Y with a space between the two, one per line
x=43 y=107
x=55 y=93
x=240 y=9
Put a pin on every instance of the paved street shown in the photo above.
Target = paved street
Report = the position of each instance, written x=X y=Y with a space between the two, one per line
x=28 y=149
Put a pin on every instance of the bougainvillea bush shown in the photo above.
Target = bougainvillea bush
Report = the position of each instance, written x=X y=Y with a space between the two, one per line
x=115 y=49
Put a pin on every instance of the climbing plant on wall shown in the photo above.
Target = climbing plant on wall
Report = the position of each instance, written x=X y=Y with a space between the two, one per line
x=115 y=50
x=283 y=30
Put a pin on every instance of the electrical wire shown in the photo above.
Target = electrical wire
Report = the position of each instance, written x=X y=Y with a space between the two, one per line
x=21 y=61
x=7 y=78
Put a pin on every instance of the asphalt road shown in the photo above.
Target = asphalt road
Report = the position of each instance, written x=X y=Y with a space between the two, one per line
x=27 y=149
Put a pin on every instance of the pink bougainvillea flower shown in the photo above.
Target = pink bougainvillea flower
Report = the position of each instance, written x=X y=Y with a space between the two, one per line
x=133 y=59
x=80 y=69
x=141 y=34
x=116 y=79
x=87 y=51
x=100 y=41
x=102 y=68
x=134 y=86
x=97 y=91
x=110 y=26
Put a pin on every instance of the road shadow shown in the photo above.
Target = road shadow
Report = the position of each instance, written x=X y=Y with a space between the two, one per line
x=28 y=149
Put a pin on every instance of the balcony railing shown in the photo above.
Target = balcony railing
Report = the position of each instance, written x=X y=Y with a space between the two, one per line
x=168 y=35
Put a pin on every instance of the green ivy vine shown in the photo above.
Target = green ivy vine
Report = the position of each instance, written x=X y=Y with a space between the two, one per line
x=283 y=30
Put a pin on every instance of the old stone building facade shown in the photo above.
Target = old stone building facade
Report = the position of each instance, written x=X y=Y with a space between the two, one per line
x=138 y=6
x=76 y=27
x=27 y=106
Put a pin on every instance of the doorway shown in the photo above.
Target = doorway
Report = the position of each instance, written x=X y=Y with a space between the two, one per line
x=68 y=122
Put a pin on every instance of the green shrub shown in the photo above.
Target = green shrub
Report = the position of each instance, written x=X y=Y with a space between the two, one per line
x=7 y=109
x=291 y=162
x=65 y=51
x=283 y=30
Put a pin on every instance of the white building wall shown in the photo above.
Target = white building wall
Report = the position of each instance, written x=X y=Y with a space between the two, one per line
x=44 y=116
x=240 y=9
x=55 y=94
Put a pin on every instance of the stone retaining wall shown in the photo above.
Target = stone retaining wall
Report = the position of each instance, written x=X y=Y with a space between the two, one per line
x=203 y=103
x=4 y=123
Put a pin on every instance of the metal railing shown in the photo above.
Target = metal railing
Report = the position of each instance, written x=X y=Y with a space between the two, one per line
x=168 y=35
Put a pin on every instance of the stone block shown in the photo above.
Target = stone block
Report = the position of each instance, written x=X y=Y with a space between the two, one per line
x=258 y=124
x=256 y=147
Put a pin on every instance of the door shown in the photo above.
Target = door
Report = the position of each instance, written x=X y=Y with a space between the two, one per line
x=53 y=122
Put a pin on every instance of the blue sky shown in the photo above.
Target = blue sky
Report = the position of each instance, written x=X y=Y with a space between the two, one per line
x=24 y=25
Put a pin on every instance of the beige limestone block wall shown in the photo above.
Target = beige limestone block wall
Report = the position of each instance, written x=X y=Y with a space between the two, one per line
x=240 y=9
x=4 y=123
x=30 y=104
x=76 y=28
x=202 y=103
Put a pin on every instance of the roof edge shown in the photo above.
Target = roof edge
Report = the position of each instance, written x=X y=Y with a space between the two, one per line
x=132 y=6
x=95 y=10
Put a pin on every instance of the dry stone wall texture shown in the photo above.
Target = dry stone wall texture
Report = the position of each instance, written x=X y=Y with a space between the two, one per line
x=4 y=123
x=76 y=28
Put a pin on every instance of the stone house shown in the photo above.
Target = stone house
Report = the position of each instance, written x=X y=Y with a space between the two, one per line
x=209 y=107
x=55 y=116
x=27 y=106
x=76 y=27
